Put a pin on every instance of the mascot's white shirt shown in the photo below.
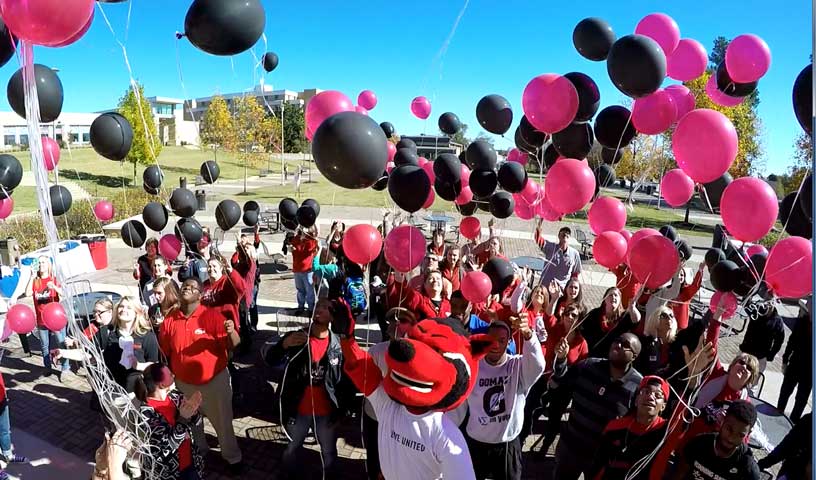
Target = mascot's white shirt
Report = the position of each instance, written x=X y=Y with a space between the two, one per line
x=496 y=404
x=418 y=447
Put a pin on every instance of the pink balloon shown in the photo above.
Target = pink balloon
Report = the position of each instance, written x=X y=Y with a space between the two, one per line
x=654 y=113
x=421 y=107
x=524 y=211
x=550 y=102
x=428 y=167
x=103 y=210
x=360 y=109
x=6 y=206
x=688 y=61
x=322 y=106
x=789 y=269
x=547 y=212
x=169 y=246
x=392 y=150
x=627 y=235
x=390 y=166
x=662 y=29
x=684 y=99
x=570 y=185
x=606 y=214
x=730 y=303
x=470 y=227
x=609 y=249
x=654 y=260
x=404 y=248
x=747 y=58
x=749 y=208
x=21 y=318
x=704 y=144
x=719 y=97
x=367 y=99
x=755 y=249
x=676 y=187
x=465 y=196
x=516 y=155
x=51 y=153
x=77 y=35
x=430 y=200
x=464 y=178
x=476 y=287
x=642 y=233
x=532 y=192
x=53 y=317
x=362 y=243
x=46 y=22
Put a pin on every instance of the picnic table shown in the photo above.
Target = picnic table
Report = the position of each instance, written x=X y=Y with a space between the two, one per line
x=536 y=264
x=438 y=221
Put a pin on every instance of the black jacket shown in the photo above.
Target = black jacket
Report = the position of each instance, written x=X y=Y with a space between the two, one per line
x=598 y=340
x=296 y=375
x=800 y=345
x=764 y=336
x=793 y=451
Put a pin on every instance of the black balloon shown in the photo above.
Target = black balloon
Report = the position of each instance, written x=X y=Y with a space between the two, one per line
x=60 y=199
x=312 y=203
x=529 y=134
x=253 y=206
x=183 y=202
x=713 y=191
x=448 y=168
x=270 y=61
x=522 y=144
x=447 y=190
x=306 y=216
x=409 y=187
x=152 y=177
x=483 y=205
x=133 y=233
x=49 y=92
x=406 y=156
x=731 y=88
x=250 y=219
x=758 y=260
x=610 y=156
x=550 y=155
x=803 y=98
x=407 y=143
x=494 y=114
x=502 y=204
x=669 y=232
x=155 y=216
x=5 y=194
x=111 y=136
x=613 y=127
x=210 y=171
x=793 y=218
x=227 y=214
x=713 y=256
x=467 y=209
x=806 y=197
x=636 y=65
x=388 y=129
x=483 y=182
x=512 y=177
x=11 y=172
x=463 y=157
x=481 y=155
x=500 y=272
x=224 y=27
x=589 y=97
x=150 y=190
x=575 y=141
x=604 y=176
x=287 y=224
x=189 y=231
x=684 y=249
x=287 y=208
x=382 y=183
x=593 y=38
x=349 y=150
x=746 y=282
x=725 y=276
x=7 y=48
x=449 y=123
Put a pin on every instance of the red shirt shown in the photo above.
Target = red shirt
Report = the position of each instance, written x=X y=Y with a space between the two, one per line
x=680 y=305
x=578 y=347
x=225 y=293
x=315 y=399
x=627 y=284
x=43 y=296
x=90 y=331
x=549 y=323
x=452 y=275
x=304 y=249
x=167 y=409
x=196 y=346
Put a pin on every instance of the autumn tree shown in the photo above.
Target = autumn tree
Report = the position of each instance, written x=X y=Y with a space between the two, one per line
x=802 y=162
x=217 y=128
x=255 y=133
x=146 y=145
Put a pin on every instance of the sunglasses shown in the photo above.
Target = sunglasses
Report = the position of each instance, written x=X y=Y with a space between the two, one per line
x=98 y=313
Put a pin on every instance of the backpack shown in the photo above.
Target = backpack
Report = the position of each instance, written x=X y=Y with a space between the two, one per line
x=355 y=295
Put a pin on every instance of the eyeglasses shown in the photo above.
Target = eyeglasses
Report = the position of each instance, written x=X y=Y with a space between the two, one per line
x=98 y=313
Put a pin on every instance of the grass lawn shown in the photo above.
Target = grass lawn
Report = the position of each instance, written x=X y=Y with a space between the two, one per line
x=25 y=200
x=650 y=217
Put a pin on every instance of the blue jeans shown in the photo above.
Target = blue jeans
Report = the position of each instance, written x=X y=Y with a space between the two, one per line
x=298 y=428
x=189 y=474
x=305 y=290
x=5 y=431
x=45 y=337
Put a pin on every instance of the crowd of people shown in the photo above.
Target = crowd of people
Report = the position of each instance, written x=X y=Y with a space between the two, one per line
x=646 y=389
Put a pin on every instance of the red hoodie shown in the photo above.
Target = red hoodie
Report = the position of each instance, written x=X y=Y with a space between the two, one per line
x=304 y=249
x=401 y=295
x=226 y=292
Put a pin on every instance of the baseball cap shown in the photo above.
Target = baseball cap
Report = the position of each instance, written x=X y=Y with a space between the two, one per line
x=664 y=385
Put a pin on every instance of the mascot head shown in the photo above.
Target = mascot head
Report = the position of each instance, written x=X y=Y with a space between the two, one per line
x=435 y=366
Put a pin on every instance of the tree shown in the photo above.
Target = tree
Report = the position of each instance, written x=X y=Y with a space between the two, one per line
x=217 y=128
x=460 y=137
x=255 y=132
x=294 y=125
x=485 y=138
x=803 y=158
x=146 y=145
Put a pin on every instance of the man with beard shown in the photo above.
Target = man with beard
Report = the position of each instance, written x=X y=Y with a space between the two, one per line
x=602 y=390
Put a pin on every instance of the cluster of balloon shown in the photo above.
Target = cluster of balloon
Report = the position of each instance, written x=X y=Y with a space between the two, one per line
x=183 y=202
x=252 y=211
x=210 y=171
x=287 y=209
x=404 y=248
x=350 y=150
x=61 y=199
x=449 y=123
x=133 y=233
x=155 y=216
x=307 y=213
x=227 y=214
x=49 y=92
x=152 y=179
x=447 y=171
x=362 y=243
x=270 y=61
x=11 y=174
x=103 y=210
x=111 y=136
x=494 y=114
x=224 y=27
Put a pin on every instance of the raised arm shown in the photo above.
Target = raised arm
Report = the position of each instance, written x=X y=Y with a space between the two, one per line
x=357 y=363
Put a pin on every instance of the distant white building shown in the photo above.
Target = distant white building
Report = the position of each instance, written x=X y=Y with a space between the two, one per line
x=69 y=127
x=266 y=96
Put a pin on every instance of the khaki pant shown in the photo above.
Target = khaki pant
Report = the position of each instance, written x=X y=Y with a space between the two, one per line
x=216 y=405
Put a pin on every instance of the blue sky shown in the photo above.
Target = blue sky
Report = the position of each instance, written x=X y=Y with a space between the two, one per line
x=391 y=48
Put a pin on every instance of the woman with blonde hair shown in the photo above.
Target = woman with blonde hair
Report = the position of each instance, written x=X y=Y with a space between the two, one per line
x=608 y=322
x=132 y=345
x=166 y=293
x=659 y=331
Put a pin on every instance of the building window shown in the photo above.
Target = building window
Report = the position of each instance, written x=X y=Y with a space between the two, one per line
x=74 y=137
x=59 y=137
x=86 y=137
x=165 y=109
x=9 y=140
x=24 y=139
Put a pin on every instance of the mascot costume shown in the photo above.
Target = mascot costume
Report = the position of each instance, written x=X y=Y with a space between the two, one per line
x=430 y=372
